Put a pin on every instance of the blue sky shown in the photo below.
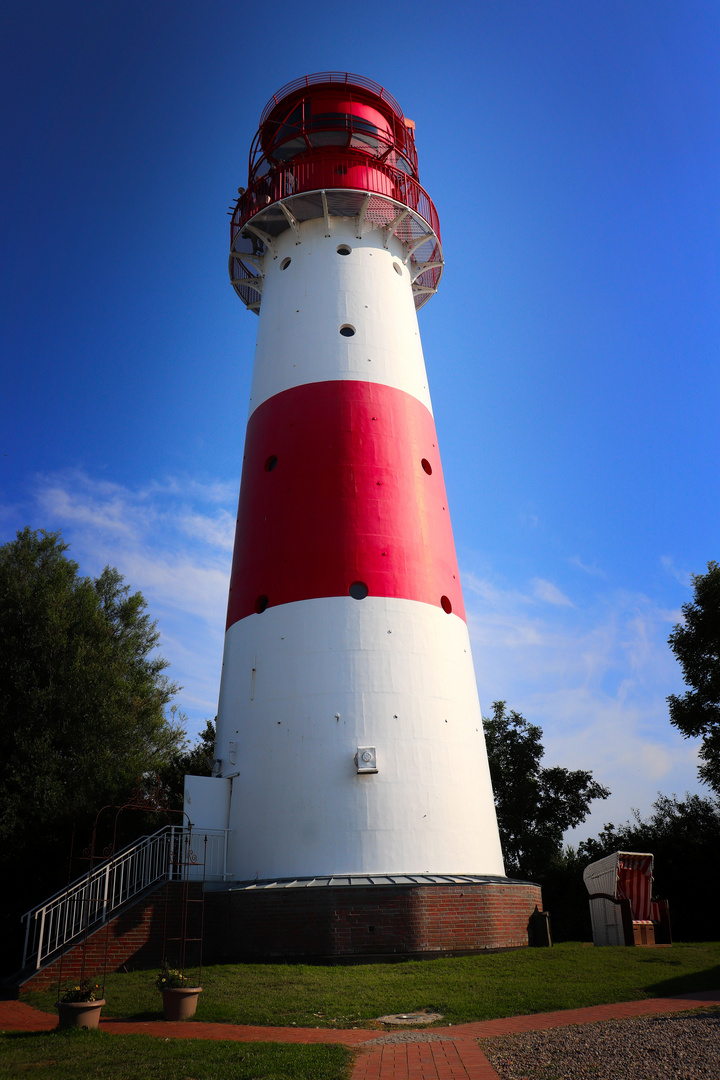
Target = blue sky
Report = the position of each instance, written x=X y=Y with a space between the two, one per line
x=572 y=152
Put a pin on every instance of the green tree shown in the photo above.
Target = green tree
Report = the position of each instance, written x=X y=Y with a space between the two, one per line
x=82 y=704
x=82 y=693
x=534 y=805
x=696 y=644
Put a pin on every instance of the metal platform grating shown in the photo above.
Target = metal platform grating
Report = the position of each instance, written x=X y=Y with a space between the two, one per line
x=371 y=211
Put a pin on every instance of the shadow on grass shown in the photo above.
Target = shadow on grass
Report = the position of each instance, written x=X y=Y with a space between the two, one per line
x=61 y=1033
x=653 y=958
x=686 y=985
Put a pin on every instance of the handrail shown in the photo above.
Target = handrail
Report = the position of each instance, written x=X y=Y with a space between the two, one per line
x=333 y=171
x=90 y=900
x=83 y=877
x=341 y=77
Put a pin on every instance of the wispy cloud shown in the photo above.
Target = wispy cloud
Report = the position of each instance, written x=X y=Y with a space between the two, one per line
x=497 y=595
x=219 y=530
x=683 y=576
x=104 y=509
x=587 y=568
x=171 y=539
x=550 y=594
x=595 y=677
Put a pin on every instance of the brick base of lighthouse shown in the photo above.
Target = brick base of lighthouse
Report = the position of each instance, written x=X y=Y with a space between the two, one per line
x=247 y=922
x=334 y=921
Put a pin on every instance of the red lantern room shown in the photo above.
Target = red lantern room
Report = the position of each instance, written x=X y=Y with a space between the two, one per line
x=333 y=144
x=311 y=119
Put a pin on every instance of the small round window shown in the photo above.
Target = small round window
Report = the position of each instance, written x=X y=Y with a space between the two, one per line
x=358 y=590
x=427 y=467
x=343 y=249
x=445 y=604
x=260 y=604
x=397 y=268
x=347 y=330
x=285 y=263
x=271 y=463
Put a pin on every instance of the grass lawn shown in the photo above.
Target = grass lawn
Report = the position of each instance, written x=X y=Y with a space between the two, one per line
x=87 y=1055
x=461 y=988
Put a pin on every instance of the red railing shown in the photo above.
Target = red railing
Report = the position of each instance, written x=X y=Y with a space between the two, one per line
x=341 y=77
x=331 y=171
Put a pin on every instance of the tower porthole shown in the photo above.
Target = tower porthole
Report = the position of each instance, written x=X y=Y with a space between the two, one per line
x=347 y=330
x=446 y=605
x=285 y=263
x=260 y=604
x=426 y=466
x=271 y=463
x=343 y=249
x=358 y=590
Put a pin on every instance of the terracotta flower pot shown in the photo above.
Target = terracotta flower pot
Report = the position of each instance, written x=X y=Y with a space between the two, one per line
x=181 y=1004
x=82 y=1014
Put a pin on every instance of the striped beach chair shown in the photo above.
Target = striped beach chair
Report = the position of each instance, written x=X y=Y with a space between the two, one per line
x=621 y=906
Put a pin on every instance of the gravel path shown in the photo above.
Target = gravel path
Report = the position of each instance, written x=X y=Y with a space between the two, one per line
x=677 y=1047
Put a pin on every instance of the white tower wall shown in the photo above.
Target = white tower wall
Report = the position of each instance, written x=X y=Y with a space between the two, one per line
x=306 y=682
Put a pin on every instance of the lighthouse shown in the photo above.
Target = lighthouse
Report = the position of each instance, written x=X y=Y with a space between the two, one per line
x=350 y=770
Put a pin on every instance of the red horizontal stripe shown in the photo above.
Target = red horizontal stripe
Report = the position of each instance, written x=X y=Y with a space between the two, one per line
x=347 y=500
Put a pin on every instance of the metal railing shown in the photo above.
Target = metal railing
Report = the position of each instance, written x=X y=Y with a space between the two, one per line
x=333 y=171
x=342 y=78
x=169 y=854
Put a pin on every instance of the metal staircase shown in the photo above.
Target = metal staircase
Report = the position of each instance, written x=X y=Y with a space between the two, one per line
x=92 y=899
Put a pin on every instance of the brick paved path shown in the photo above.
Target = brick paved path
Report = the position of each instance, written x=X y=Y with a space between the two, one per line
x=453 y=1053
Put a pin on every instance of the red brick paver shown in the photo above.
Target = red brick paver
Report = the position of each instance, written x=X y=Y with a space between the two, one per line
x=454 y=1056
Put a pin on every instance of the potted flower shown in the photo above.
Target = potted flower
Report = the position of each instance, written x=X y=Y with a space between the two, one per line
x=79 y=1005
x=179 y=998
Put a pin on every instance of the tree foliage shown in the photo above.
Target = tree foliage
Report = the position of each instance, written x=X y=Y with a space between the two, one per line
x=696 y=644
x=82 y=689
x=534 y=805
